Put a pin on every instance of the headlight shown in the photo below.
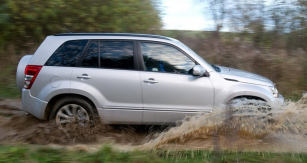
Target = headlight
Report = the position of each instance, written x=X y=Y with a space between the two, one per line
x=274 y=91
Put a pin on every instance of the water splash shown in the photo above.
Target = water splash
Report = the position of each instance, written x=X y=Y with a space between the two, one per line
x=248 y=128
x=283 y=128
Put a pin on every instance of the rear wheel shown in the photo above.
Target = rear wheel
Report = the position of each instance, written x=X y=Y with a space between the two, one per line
x=72 y=109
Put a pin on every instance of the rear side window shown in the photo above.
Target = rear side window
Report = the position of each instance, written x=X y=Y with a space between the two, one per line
x=67 y=54
x=116 y=54
x=90 y=57
x=109 y=54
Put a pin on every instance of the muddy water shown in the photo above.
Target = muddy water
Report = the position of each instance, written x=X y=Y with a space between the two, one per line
x=282 y=131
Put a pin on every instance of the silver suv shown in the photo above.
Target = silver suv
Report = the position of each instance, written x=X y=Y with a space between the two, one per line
x=129 y=79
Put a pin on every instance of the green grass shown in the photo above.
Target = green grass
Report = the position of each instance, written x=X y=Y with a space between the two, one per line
x=17 y=154
x=8 y=87
x=30 y=153
x=9 y=91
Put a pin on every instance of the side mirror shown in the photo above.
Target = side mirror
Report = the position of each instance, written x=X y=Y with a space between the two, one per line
x=198 y=70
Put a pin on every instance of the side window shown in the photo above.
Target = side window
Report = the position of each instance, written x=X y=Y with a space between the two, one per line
x=67 y=54
x=164 y=58
x=116 y=54
x=90 y=58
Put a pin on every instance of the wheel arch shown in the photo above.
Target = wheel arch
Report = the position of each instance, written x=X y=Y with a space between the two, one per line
x=249 y=97
x=53 y=100
x=244 y=90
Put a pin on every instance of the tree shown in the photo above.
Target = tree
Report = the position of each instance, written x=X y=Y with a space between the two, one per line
x=25 y=22
x=219 y=10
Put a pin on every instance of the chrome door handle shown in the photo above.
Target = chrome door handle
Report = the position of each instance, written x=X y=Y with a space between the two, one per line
x=84 y=76
x=150 y=80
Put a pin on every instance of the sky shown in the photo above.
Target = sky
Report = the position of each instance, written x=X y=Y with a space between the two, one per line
x=189 y=15
x=185 y=15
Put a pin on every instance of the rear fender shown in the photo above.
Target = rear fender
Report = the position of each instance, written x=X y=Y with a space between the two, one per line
x=88 y=91
x=20 y=73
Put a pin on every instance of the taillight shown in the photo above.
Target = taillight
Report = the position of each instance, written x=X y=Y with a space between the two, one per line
x=30 y=74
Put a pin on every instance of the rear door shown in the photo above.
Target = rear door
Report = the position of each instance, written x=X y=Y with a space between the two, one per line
x=108 y=73
x=170 y=91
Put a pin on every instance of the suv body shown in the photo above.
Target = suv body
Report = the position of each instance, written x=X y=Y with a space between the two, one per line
x=131 y=78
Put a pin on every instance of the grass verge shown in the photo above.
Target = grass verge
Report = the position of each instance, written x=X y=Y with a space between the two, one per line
x=30 y=153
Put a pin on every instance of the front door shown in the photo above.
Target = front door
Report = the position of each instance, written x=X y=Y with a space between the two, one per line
x=170 y=91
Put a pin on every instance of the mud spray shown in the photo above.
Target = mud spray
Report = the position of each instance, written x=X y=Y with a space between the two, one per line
x=281 y=129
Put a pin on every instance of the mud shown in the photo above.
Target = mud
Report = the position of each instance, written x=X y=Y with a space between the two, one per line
x=28 y=129
x=218 y=130
x=18 y=127
x=249 y=131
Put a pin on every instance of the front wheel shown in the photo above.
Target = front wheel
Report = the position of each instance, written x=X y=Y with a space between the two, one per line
x=253 y=118
x=245 y=108
x=72 y=109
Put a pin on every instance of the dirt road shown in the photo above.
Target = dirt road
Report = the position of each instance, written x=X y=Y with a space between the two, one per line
x=289 y=133
x=18 y=127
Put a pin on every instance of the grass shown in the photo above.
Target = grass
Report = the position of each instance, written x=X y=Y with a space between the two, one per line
x=44 y=154
x=9 y=91
x=31 y=153
x=8 y=66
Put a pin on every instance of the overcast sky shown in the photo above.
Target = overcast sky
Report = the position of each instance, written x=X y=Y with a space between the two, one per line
x=185 y=15
x=189 y=15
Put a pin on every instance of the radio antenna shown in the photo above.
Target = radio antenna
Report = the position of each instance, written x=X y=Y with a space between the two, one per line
x=66 y=28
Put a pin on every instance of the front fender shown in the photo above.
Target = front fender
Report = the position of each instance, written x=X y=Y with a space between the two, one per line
x=243 y=89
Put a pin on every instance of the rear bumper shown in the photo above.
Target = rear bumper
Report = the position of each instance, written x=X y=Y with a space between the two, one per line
x=33 y=105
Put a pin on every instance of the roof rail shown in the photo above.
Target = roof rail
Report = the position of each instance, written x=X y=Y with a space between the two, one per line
x=113 y=34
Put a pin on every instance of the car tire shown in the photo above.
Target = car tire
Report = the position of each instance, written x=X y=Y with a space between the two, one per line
x=253 y=118
x=73 y=109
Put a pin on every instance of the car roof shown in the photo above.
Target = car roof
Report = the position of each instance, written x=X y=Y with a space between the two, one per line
x=115 y=34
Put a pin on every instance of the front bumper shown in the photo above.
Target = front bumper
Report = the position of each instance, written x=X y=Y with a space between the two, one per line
x=33 y=105
x=278 y=102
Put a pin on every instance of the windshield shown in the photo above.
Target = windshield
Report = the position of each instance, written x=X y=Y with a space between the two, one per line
x=190 y=50
x=216 y=68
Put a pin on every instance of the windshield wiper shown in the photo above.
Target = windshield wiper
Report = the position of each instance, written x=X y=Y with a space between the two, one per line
x=216 y=68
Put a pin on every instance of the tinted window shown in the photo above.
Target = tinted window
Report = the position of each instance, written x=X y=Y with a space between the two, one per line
x=67 y=54
x=116 y=54
x=90 y=58
x=164 y=58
